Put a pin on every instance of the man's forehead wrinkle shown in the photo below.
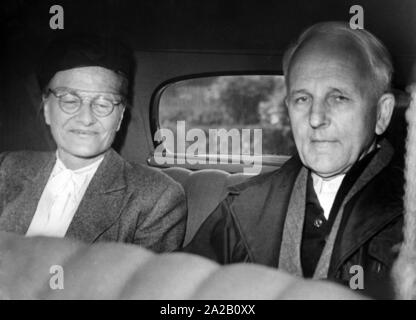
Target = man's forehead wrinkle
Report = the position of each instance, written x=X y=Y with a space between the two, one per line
x=328 y=73
x=324 y=63
x=328 y=77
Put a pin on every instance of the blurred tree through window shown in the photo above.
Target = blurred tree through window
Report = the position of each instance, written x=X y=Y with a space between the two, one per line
x=231 y=102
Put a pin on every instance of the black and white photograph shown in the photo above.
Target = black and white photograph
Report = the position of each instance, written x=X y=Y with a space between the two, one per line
x=207 y=154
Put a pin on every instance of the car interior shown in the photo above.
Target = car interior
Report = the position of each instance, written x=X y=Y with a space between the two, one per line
x=210 y=64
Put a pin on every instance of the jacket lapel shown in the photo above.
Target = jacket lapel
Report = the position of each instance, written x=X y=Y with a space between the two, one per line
x=365 y=220
x=261 y=219
x=17 y=216
x=103 y=200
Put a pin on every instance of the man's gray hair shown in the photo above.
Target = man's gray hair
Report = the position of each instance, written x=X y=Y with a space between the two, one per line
x=372 y=48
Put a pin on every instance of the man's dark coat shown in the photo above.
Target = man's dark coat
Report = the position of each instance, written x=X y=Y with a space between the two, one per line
x=248 y=225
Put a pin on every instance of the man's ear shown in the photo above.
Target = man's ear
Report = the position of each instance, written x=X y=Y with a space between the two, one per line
x=45 y=106
x=385 y=106
x=121 y=119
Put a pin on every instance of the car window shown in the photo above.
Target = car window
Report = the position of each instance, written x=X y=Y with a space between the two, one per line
x=228 y=117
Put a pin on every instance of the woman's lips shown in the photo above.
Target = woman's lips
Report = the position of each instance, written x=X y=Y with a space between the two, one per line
x=323 y=141
x=81 y=132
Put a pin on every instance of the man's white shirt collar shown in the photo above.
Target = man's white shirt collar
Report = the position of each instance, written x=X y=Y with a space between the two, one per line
x=326 y=191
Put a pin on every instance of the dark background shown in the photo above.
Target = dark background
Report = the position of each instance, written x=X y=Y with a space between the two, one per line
x=253 y=27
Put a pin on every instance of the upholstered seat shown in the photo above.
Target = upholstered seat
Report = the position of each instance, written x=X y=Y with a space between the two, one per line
x=52 y=268
x=204 y=191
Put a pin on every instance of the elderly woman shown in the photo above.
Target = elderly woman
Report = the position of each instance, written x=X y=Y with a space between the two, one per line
x=85 y=190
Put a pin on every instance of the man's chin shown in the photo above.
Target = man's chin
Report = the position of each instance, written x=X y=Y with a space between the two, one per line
x=323 y=169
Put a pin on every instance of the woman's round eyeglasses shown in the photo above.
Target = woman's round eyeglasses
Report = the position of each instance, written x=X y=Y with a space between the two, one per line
x=102 y=104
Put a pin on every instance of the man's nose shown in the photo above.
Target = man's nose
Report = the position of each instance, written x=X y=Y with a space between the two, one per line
x=85 y=114
x=318 y=115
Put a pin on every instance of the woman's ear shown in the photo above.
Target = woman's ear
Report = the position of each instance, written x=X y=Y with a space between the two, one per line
x=121 y=119
x=385 y=107
x=286 y=102
x=46 y=109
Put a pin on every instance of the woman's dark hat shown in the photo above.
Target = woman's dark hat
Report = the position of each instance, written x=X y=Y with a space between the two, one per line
x=68 y=52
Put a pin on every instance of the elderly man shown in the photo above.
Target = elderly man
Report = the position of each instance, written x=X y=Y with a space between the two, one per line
x=335 y=209
x=85 y=190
